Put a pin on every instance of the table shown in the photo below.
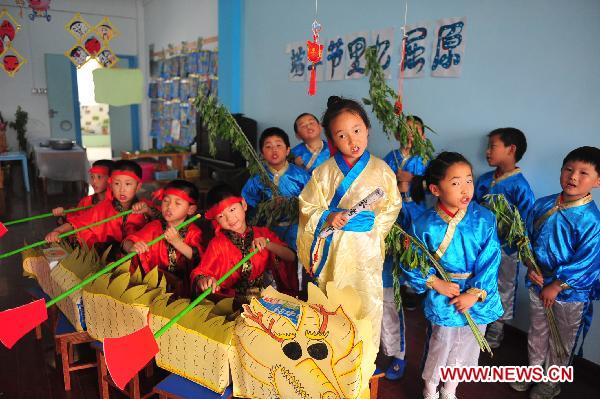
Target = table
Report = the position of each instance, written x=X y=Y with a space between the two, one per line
x=18 y=156
x=177 y=158
x=60 y=165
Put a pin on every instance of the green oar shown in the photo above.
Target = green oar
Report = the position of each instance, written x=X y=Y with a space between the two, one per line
x=45 y=215
x=4 y=230
x=127 y=355
x=63 y=235
x=16 y=322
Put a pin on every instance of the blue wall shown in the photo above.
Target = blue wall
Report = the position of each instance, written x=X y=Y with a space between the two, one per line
x=231 y=27
x=533 y=65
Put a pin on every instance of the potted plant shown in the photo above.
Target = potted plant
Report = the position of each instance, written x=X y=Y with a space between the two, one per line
x=20 y=126
x=3 y=144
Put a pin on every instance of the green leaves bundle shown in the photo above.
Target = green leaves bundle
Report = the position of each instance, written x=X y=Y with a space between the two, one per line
x=511 y=230
x=410 y=251
x=221 y=125
x=382 y=99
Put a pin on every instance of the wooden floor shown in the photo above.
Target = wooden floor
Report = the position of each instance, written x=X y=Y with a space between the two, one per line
x=28 y=370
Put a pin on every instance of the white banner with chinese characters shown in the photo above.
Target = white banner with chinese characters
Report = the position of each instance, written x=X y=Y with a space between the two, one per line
x=356 y=47
x=448 y=48
x=335 y=55
x=383 y=41
x=344 y=56
x=296 y=52
x=415 y=57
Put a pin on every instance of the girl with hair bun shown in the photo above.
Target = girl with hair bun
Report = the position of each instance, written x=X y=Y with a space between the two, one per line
x=353 y=255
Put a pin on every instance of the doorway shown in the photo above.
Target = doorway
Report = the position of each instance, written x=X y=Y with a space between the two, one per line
x=64 y=109
x=94 y=117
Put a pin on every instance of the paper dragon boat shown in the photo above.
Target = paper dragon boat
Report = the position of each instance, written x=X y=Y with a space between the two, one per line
x=276 y=347
x=59 y=268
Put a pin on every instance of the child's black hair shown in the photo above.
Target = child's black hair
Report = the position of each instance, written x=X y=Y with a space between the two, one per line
x=510 y=136
x=184 y=185
x=435 y=172
x=126 y=164
x=416 y=119
x=585 y=154
x=300 y=116
x=107 y=163
x=273 y=131
x=218 y=193
x=337 y=105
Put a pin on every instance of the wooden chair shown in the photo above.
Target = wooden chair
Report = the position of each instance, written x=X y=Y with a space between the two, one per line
x=374 y=383
x=66 y=338
x=132 y=389
x=176 y=387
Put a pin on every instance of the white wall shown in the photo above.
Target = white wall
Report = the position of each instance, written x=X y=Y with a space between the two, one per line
x=532 y=65
x=174 y=21
x=39 y=37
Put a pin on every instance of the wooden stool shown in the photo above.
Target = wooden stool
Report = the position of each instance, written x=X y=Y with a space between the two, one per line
x=176 y=387
x=104 y=380
x=374 y=383
x=65 y=338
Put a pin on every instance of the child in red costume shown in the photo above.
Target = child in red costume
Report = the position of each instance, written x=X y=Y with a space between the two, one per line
x=99 y=175
x=125 y=181
x=233 y=240
x=180 y=251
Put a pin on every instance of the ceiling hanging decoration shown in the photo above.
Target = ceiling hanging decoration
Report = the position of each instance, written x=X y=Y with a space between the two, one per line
x=314 y=53
x=20 y=4
x=91 y=42
x=106 y=31
x=11 y=60
x=39 y=9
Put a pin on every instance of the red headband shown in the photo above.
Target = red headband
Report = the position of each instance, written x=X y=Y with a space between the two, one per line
x=161 y=193
x=99 y=170
x=212 y=213
x=125 y=173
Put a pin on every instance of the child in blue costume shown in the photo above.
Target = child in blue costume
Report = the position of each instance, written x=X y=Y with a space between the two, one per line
x=407 y=165
x=313 y=150
x=506 y=147
x=462 y=235
x=404 y=164
x=393 y=329
x=564 y=230
x=290 y=180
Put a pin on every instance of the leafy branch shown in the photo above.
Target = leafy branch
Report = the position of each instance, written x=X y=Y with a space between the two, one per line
x=410 y=251
x=382 y=99
x=221 y=125
x=512 y=230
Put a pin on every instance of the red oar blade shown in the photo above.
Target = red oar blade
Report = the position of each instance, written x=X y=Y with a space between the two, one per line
x=16 y=322
x=3 y=229
x=126 y=356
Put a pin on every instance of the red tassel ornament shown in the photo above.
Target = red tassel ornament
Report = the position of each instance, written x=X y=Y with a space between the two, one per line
x=314 y=54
